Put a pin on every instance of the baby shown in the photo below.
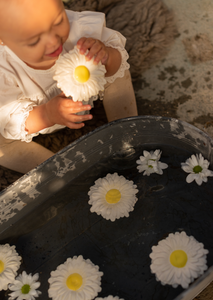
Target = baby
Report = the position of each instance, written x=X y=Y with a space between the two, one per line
x=32 y=36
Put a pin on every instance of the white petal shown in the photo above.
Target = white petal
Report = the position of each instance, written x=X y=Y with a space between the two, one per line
x=198 y=180
x=163 y=165
x=190 y=178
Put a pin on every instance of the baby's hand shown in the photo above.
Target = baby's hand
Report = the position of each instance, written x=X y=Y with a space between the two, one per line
x=62 y=110
x=95 y=49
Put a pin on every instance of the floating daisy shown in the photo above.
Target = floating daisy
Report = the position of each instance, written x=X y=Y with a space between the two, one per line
x=197 y=166
x=113 y=197
x=79 y=78
x=9 y=264
x=178 y=260
x=109 y=298
x=149 y=163
x=25 y=287
x=76 y=279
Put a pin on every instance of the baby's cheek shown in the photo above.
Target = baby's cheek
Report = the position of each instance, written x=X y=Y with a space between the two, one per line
x=64 y=30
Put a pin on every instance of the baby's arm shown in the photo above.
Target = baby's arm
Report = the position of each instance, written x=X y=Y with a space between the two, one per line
x=59 y=110
x=110 y=57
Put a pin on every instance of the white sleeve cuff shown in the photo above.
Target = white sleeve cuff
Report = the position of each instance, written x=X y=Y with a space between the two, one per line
x=13 y=125
x=24 y=136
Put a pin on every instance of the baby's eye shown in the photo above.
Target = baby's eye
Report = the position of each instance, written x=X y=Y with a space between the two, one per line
x=34 y=43
x=59 y=23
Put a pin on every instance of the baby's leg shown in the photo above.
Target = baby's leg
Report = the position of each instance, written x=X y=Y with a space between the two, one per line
x=119 y=98
x=21 y=156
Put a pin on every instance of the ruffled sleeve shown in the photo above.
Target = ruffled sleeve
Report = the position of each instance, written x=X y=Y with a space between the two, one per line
x=14 y=110
x=13 y=118
x=92 y=24
x=116 y=40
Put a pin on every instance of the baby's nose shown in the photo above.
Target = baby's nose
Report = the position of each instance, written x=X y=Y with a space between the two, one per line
x=53 y=38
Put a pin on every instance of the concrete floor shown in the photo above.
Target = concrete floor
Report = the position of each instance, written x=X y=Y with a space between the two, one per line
x=182 y=88
x=176 y=87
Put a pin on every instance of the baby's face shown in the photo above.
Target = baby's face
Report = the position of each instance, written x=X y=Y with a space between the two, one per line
x=34 y=30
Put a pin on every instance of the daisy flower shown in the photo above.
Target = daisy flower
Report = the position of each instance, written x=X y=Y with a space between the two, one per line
x=197 y=167
x=76 y=279
x=113 y=197
x=109 y=298
x=178 y=260
x=77 y=77
x=149 y=163
x=24 y=287
x=9 y=264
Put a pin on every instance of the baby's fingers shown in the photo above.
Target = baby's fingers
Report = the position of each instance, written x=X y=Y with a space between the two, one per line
x=85 y=44
x=79 y=108
x=72 y=125
x=77 y=121
x=102 y=56
x=80 y=118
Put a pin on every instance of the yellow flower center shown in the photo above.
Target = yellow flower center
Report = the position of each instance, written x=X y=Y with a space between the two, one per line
x=1 y=266
x=81 y=74
x=178 y=258
x=74 y=281
x=197 y=169
x=113 y=196
x=25 y=289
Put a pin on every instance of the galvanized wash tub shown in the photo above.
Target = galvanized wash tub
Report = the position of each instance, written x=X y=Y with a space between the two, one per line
x=47 y=216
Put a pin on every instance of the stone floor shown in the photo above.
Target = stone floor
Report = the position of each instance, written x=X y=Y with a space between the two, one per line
x=181 y=85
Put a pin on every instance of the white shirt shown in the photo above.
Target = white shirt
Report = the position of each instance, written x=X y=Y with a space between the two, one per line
x=22 y=87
